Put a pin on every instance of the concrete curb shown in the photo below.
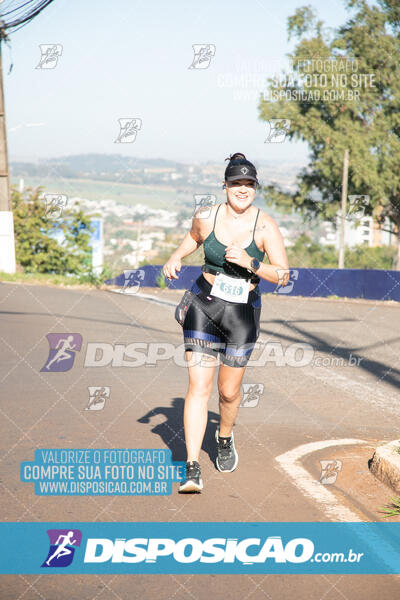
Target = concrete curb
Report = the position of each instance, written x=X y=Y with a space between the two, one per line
x=385 y=464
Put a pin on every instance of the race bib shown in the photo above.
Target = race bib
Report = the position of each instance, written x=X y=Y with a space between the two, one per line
x=232 y=289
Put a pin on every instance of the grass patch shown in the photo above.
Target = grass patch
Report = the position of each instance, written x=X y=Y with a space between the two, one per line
x=391 y=510
x=48 y=279
x=161 y=281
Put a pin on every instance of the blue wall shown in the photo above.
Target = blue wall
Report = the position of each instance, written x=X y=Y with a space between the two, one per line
x=350 y=283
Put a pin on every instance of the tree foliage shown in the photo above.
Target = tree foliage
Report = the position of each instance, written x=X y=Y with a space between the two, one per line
x=368 y=124
x=308 y=254
x=47 y=245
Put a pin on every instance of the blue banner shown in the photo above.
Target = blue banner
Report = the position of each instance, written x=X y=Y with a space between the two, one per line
x=373 y=284
x=211 y=548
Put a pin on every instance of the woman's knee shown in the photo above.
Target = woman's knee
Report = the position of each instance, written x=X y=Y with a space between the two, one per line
x=228 y=393
x=202 y=388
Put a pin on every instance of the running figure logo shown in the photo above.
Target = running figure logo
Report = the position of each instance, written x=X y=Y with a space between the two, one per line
x=97 y=397
x=62 y=547
x=62 y=351
x=329 y=471
x=251 y=394
x=132 y=280
x=277 y=131
x=49 y=55
x=202 y=56
x=203 y=204
x=55 y=203
x=128 y=129
x=288 y=276
x=357 y=207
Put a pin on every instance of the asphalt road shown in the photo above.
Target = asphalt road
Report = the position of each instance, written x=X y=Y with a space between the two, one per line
x=331 y=372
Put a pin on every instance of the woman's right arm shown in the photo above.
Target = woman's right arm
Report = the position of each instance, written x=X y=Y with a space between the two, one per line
x=189 y=244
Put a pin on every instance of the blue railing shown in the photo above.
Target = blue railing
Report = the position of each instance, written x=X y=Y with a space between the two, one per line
x=372 y=284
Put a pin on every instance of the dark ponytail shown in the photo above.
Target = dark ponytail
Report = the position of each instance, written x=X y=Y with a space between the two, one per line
x=236 y=156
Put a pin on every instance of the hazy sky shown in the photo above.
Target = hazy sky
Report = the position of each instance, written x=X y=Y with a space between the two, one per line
x=130 y=59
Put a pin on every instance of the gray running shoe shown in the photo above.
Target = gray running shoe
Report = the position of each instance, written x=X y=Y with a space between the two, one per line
x=193 y=481
x=227 y=458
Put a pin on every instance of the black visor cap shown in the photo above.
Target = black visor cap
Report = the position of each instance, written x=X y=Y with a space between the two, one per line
x=236 y=172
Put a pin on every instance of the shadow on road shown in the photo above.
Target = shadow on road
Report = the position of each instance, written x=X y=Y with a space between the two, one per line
x=380 y=370
x=172 y=433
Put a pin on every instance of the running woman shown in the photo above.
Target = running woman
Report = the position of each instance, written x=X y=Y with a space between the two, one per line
x=222 y=314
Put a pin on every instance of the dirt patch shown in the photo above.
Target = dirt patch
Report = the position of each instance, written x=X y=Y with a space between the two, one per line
x=355 y=485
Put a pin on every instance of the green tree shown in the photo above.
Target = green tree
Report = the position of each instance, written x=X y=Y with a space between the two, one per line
x=364 y=257
x=37 y=248
x=308 y=254
x=368 y=124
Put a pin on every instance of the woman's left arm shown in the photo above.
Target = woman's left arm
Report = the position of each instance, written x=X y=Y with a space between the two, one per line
x=278 y=270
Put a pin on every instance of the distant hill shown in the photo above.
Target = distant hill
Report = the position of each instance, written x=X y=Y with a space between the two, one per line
x=157 y=183
x=90 y=165
x=99 y=165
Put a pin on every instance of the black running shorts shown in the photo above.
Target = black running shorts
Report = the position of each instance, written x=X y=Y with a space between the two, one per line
x=213 y=325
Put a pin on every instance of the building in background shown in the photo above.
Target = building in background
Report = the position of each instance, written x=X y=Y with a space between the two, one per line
x=365 y=231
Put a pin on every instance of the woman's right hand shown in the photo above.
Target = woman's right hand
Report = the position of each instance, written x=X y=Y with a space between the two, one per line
x=171 y=267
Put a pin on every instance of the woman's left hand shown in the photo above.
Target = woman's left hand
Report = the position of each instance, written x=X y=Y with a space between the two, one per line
x=238 y=255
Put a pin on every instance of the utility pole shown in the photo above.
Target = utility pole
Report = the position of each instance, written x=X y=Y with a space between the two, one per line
x=7 y=246
x=138 y=236
x=18 y=16
x=343 y=210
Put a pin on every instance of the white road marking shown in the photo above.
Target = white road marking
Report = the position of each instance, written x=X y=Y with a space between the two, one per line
x=147 y=297
x=289 y=461
x=379 y=544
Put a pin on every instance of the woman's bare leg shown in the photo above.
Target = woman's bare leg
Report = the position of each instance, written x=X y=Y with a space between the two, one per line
x=201 y=369
x=229 y=382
